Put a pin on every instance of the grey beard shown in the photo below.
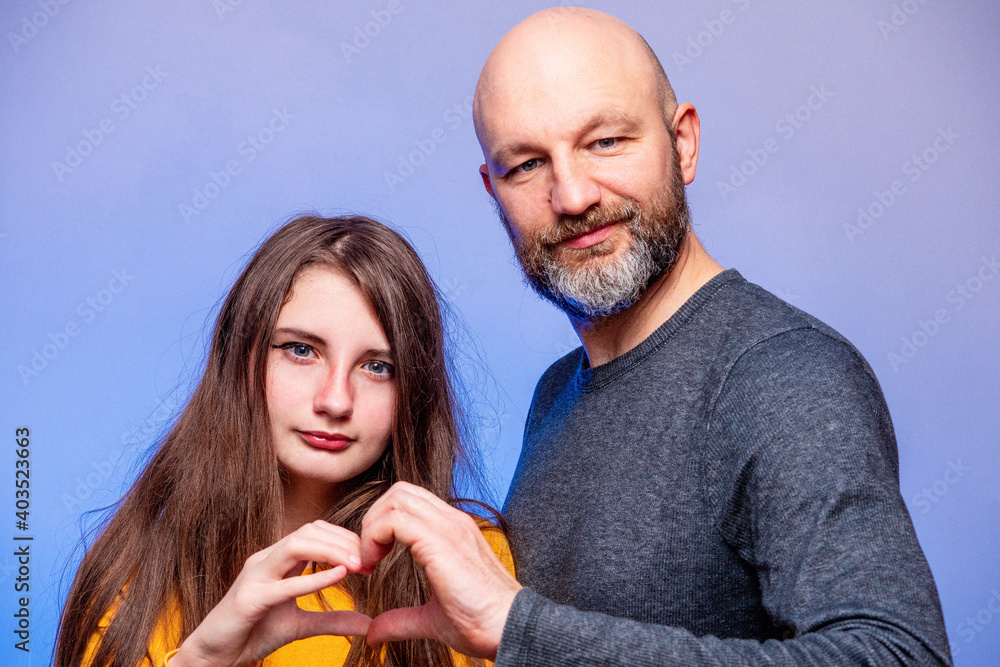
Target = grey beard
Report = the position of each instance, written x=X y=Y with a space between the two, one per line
x=606 y=288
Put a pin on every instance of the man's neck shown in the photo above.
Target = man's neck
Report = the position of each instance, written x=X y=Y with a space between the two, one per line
x=610 y=337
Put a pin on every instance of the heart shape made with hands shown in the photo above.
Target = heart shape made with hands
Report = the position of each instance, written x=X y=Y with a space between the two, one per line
x=467 y=562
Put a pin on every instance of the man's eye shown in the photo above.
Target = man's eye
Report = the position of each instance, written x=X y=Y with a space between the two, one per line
x=530 y=165
x=607 y=142
x=379 y=367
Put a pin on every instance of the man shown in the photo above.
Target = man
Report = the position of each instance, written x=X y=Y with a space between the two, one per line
x=713 y=478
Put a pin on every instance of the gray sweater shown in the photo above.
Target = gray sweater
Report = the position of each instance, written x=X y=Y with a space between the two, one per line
x=726 y=493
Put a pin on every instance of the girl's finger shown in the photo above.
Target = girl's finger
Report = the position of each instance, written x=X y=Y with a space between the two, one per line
x=284 y=590
x=291 y=552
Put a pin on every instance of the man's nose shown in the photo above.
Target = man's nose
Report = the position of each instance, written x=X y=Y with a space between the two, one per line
x=574 y=191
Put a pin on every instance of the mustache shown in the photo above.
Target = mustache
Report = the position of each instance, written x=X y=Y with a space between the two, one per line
x=569 y=226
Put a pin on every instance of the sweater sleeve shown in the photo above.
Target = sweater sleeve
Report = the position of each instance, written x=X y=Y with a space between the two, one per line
x=802 y=475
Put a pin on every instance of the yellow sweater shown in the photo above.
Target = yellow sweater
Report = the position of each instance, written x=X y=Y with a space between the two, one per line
x=325 y=650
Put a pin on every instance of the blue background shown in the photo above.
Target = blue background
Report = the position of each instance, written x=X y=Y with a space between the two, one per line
x=120 y=228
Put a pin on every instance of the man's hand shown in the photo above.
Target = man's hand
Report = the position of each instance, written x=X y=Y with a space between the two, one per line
x=473 y=591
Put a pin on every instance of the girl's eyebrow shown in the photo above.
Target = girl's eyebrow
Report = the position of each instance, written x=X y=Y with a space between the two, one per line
x=300 y=333
x=319 y=341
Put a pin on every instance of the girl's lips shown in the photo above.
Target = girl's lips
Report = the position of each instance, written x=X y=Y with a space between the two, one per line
x=592 y=237
x=333 y=442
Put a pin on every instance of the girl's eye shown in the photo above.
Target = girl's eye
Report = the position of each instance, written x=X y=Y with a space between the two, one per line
x=296 y=350
x=379 y=367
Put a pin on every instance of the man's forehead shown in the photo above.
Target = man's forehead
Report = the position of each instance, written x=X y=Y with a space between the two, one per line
x=542 y=67
x=565 y=67
x=527 y=118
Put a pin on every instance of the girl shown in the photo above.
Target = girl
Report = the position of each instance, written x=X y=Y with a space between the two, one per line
x=325 y=384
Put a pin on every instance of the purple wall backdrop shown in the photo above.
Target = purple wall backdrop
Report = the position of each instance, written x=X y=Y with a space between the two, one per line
x=849 y=165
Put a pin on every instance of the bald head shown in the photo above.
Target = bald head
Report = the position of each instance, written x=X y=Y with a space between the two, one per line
x=560 y=45
x=587 y=156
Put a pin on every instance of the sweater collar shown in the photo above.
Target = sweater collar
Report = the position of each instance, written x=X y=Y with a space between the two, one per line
x=591 y=379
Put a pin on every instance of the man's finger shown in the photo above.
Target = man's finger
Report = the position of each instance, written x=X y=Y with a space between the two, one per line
x=378 y=528
x=405 y=514
x=341 y=623
x=400 y=624
x=373 y=551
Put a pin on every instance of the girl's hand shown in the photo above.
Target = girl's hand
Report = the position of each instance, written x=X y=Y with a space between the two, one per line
x=259 y=614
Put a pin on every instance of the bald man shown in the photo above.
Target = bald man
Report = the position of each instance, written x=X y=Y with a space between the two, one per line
x=712 y=478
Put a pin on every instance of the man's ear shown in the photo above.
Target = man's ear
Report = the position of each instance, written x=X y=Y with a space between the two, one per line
x=687 y=130
x=485 y=173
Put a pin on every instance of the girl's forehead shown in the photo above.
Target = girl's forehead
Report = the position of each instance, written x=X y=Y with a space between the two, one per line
x=327 y=303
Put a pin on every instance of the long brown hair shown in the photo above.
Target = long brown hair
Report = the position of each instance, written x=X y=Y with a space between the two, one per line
x=211 y=495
